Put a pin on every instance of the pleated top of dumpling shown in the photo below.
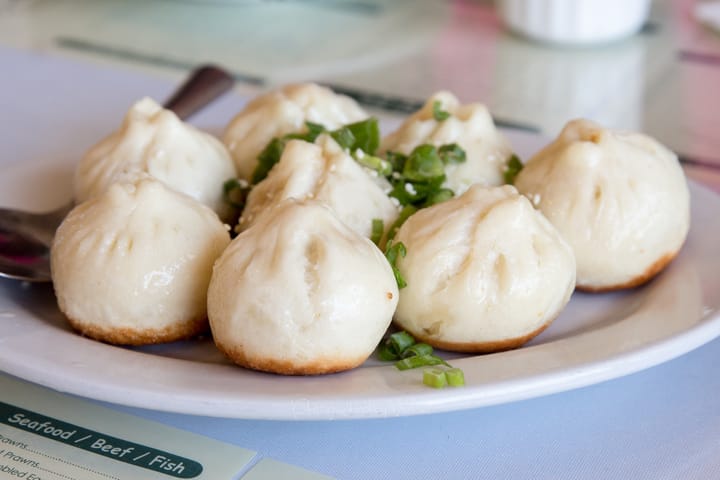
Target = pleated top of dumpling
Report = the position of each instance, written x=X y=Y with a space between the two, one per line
x=619 y=198
x=324 y=171
x=284 y=111
x=470 y=126
x=154 y=141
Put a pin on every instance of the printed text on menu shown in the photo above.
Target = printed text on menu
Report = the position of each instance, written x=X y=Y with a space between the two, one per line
x=23 y=437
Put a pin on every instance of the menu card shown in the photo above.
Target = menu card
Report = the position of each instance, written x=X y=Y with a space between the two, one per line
x=45 y=435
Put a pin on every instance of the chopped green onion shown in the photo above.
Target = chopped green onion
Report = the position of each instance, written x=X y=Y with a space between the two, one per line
x=435 y=378
x=405 y=213
x=401 y=345
x=383 y=167
x=419 y=361
x=314 y=131
x=273 y=151
x=386 y=353
x=363 y=135
x=235 y=192
x=417 y=194
x=455 y=377
x=378 y=227
x=423 y=174
x=397 y=160
x=513 y=167
x=438 y=196
x=392 y=255
x=438 y=113
x=366 y=134
x=405 y=191
x=417 y=349
x=267 y=159
x=395 y=250
x=399 y=279
x=395 y=345
x=399 y=342
x=343 y=137
x=230 y=185
x=452 y=153
x=423 y=164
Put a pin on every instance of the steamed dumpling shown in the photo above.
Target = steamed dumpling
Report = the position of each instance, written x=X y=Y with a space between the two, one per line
x=325 y=172
x=284 y=111
x=470 y=126
x=619 y=198
x=154 y=141
x=300 y=293
x=132 y=265
x=485 y=271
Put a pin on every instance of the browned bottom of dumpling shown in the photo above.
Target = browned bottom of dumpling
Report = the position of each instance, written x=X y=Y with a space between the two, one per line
x=142 y=336
x=482 y=347
x=318 y=366
x=641 y=279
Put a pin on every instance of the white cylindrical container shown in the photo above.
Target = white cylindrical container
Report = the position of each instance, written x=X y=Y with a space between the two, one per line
x=574 y=22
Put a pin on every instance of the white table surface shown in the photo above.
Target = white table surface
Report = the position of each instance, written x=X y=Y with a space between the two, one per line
x=661 y=423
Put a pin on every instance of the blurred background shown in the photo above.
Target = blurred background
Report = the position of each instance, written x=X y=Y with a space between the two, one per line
x=660 y=76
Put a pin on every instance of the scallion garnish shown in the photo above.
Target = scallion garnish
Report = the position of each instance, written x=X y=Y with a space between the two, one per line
x=455 y=377
x=402 y=346
x=435 y=378
x=235 y=192
x=438 y=113
x=405 y=213
x=344 y=137
x=423 y=164
x=267 y=159
x=273 y=151
x=314 y=131
x=399 y=342
x=513 y=167
x=417 y=178
x=378 y=227
x=392 y=253
x=439 y=378
x=418 y=361
x=366 y=134
x=417 y=349
x=452 y=153
x=363 y=135
x=383 y=167
x=386 y=354
x=395 y=345
x=397 y=160
x=438 y=196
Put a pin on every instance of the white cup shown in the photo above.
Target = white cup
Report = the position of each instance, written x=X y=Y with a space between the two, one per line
x=574 y=22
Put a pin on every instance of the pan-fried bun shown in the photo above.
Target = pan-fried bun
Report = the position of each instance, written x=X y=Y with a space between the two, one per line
x=283 y=111
x=300 y=293
x=485 y=272
x=323 y=171
x=132 y=265
x=154 y=141
x=469 y=126
x=619 y=198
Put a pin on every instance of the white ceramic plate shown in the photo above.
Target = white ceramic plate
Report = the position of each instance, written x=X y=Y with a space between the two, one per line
x=598 y=337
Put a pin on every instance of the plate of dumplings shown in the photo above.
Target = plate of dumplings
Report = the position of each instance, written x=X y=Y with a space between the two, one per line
x=255 y=274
